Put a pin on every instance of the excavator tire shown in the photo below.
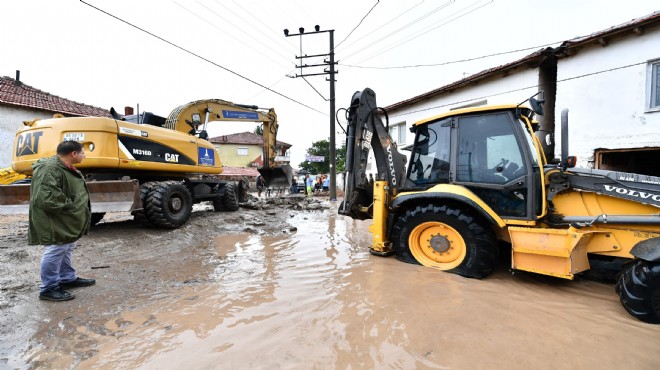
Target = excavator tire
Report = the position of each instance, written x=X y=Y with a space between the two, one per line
x=168 y=205
x=230 y=200
x=97 y=217
x=140 y=216
x=227 y=202
x=446 y=238
x=639 y=290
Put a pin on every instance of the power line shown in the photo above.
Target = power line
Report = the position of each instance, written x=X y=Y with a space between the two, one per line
x=519 y=89
x=453 y=61
x=409 y=24
x=388 y=22
x=414 y=36
x=201 y=57
x=253 y=24
x=358 y=25
x=227 y=33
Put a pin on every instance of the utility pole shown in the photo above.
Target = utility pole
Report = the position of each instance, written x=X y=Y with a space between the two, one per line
x=329 y=71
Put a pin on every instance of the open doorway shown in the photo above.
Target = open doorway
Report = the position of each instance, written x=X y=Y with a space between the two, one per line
x=644 y=161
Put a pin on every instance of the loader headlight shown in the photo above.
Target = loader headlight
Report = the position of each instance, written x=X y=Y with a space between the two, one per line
x=91 y=147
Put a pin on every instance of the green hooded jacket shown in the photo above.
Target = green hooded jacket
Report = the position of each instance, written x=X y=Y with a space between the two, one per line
x=60 y=211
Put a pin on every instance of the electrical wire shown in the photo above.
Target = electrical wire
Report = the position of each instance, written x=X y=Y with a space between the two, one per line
x=453 y=61
x=280 y=41
x=201 y=57
x=421 y=33
x=359 y=23
x=387 y=23
x=235 y=27
x=312 y=86
x=519 y=89
x=396 y=31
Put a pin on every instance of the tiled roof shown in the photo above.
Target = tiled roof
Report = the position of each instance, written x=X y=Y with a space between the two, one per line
x=22 y=95
x=248 y=138
x=637 y=25
x=235 y=173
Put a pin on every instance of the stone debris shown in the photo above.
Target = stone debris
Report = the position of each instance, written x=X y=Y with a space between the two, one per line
x=294 y=202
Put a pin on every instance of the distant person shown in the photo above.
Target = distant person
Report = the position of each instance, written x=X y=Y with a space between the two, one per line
x=319 y=183
x=309 y=183
x=261 y=185
x=60 y=214
x=326 y=183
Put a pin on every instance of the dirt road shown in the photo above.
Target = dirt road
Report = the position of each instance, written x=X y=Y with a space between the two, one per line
x=294 y=287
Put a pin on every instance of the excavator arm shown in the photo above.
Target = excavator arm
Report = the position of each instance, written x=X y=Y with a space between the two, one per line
x=367 y=132
x=193 y=118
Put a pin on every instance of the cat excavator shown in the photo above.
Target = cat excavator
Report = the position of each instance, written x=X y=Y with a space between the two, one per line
x=152 y=166
x=478 y=178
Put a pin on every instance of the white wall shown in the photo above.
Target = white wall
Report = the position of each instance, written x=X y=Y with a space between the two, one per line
x=495 y=91
x=608 y=110
x=11 y=120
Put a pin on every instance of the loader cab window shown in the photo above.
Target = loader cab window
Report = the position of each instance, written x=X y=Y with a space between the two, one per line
x=429 y=163
x=490 y=162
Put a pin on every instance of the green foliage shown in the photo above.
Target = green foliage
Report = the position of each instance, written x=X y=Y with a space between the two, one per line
x=259 y=130
x=322 y=148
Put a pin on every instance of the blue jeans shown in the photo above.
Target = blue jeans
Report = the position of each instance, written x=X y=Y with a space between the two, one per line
x=56 y=266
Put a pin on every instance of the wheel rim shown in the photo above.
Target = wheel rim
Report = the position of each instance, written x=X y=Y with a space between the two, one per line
x=176 y=204
x=438 y=245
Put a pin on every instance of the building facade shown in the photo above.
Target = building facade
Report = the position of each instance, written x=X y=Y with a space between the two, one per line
x=20 y=102
x=608 y=80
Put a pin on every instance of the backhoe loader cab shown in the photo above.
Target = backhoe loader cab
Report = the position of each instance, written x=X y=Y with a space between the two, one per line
x=478 y=177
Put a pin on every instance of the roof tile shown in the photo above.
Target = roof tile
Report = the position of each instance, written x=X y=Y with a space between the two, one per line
x=22 y=95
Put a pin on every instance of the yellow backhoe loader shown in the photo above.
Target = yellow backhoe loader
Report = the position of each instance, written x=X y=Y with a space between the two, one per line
x=155 y=167
x=479 y=176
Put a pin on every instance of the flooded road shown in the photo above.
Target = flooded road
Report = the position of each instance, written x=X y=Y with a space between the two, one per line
x=314 y=298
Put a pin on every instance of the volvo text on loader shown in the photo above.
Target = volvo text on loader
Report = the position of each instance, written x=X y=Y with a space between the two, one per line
x=477 y=177
x=153 y=166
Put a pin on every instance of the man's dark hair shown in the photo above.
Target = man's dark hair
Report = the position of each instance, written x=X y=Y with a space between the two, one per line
x=66 y=147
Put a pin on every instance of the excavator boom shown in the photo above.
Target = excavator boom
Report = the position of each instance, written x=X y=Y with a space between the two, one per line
x=367 y=132
x=194 y=117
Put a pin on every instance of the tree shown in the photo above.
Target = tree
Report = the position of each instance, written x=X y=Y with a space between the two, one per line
x=259 y=130
x=322 y=148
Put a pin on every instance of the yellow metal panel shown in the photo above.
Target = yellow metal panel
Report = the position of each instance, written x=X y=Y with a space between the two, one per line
x=464 y=111
x=555 y=252
x=379 y=227
x=461 y=191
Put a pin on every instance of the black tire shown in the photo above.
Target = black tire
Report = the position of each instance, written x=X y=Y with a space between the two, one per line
x=639 y=290
x=140 y=216
x=243 y=186
x=97 y=217
x=230 y=200
x=446 y=238
x=168 y=205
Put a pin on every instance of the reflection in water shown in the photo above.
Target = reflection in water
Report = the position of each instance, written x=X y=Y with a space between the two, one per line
x=317 y=299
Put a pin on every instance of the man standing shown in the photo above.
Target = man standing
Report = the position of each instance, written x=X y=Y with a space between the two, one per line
x=60 y=213
x=309 y=183
x=261 y=185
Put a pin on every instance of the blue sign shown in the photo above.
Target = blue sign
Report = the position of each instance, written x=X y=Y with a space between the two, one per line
x=240 y=115
x=206 y=156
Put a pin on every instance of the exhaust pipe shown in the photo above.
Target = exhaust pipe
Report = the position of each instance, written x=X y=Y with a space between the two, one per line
x=564 y=134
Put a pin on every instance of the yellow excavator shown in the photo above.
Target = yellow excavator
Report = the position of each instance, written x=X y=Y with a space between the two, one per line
x=478 y=177
x=152 y=166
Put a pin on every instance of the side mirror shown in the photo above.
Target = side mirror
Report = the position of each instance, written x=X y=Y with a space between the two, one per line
x=568 y=162
x=537 y=105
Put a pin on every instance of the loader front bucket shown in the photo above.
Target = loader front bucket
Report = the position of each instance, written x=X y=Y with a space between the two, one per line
x=277 y=177
x=105 y=196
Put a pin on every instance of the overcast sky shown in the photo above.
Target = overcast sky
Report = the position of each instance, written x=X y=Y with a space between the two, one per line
x=72 y=50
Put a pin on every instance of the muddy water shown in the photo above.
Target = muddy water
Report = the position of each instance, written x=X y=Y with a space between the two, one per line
x=315 y=299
